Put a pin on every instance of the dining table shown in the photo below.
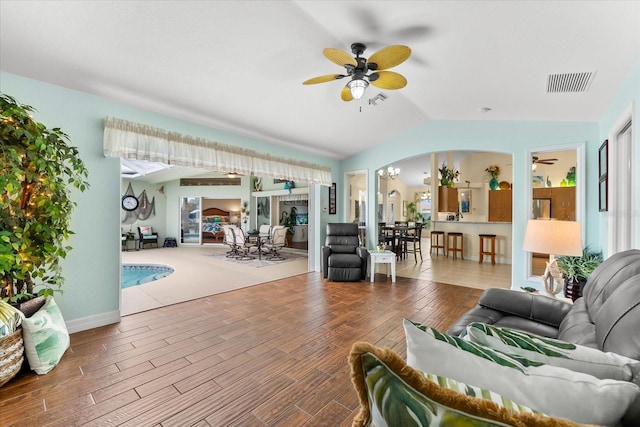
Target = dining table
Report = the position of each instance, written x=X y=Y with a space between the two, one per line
x=254 y=236
x=396 y=233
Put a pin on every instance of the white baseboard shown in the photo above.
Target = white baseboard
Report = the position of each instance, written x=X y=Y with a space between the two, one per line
x=90 y=322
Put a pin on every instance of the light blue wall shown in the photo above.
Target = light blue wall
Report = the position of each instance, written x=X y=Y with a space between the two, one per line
x=507 y=137
x=92 y=268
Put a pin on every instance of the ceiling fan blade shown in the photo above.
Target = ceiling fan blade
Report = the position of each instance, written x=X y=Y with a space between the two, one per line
x=339 y=57
x=346 y=94
x=323 y=79
x=389 y=80
x=390 y=56
x=548 y=160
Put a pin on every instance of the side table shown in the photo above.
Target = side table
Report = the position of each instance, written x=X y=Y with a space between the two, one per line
x=385 y=257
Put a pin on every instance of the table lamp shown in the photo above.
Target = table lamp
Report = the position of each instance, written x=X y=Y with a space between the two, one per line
x=553 y=237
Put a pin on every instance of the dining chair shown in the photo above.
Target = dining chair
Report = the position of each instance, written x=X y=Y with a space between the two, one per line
x=242 y=244
x=230 y=240
x=277 y=241
x=265 y=231
x=411 y=241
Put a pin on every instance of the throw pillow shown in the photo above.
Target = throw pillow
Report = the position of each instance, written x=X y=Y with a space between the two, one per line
x=146 y=231
x=391 y=393
x=555 y=352
x=10 y=319
x=45 y=337
x=552 y=390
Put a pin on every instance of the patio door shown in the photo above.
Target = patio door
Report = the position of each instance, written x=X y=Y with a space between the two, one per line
x=190 y=220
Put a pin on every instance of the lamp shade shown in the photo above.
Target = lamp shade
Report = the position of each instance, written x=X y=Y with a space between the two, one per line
x=553 y=237
x=357 y=87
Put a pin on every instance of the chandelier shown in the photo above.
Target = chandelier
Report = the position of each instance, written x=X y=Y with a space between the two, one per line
x=389 y=173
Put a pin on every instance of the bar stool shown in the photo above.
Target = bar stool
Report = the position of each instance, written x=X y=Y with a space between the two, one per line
x=436 y=242
x=491 y=252
x=452 y=246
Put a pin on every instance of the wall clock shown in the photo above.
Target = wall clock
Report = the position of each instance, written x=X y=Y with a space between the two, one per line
x=129 y=203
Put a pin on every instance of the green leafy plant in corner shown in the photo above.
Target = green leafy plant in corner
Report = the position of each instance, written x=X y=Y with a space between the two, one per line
x=413 y=214
x=38 y=169
x=579 y=268
x=289 y=219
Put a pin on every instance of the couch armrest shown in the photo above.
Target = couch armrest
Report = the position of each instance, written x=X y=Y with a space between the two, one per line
x=364 y=254
x=539 y=308
x=326 y=251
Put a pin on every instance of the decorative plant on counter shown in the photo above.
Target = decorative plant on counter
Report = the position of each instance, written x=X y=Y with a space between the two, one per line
x=494 y=172
x=577 y=270
x=448 y=175
x=37 y=167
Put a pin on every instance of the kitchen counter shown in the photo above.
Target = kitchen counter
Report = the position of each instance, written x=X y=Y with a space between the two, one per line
x=470 y=231
x=473 y=222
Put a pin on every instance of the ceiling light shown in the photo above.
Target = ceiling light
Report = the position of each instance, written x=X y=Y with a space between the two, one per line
x=357 y=87
x=533 y=166
x=389 y=173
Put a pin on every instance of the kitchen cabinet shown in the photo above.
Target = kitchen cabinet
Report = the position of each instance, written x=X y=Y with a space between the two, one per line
x=447 y=199
x=500 y=206
x=563 y=201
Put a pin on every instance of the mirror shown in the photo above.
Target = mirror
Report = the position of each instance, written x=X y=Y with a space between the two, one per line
x=557 y=188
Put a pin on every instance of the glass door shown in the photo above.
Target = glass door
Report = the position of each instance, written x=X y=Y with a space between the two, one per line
x=190 y=220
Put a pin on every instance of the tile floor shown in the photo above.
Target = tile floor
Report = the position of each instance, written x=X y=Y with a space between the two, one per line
x=197 y=275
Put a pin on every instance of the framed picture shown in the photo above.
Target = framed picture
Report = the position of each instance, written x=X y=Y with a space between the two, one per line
x=404 y=208
x=332 y=199
x=465 y=201
x=603 y=186
x=603 y=156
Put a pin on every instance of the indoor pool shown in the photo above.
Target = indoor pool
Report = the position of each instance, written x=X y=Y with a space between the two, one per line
x=137 y=274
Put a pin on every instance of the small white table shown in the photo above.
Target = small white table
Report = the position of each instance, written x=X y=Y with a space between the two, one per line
x=386 y=257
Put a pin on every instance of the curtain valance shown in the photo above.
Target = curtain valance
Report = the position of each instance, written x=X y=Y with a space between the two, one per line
x=137 y=141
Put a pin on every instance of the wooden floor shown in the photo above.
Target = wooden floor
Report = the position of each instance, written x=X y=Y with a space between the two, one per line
x=272 y=354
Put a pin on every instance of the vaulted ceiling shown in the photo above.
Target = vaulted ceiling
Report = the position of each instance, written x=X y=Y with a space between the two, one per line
x=239 y=65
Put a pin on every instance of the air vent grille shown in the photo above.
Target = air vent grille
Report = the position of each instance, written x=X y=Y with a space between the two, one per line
x=569 y=82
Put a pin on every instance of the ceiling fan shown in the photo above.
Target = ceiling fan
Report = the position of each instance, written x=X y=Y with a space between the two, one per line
x=358 y=67
x=536 y=160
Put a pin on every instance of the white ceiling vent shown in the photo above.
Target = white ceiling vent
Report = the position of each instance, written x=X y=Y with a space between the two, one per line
x=569 y=82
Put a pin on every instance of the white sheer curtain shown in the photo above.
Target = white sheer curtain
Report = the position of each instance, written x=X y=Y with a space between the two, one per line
x=137 y=141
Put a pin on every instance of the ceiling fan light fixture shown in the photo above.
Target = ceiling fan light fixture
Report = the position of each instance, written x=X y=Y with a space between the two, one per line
x=357 y=87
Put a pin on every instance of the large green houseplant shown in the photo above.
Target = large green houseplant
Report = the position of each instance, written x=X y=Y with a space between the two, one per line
x=413 y=213
x=577 y=270
x=38 y=168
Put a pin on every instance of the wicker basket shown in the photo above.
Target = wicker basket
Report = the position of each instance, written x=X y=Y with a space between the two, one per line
x=11 y=356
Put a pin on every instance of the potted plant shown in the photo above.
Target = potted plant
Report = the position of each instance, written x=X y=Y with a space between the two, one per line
x=413 y=214
x=37 y=170
x=577 y=270
x=289 y=220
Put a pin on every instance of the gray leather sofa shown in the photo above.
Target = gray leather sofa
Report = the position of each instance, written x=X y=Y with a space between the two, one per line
x=607 y=317
x=343 y=259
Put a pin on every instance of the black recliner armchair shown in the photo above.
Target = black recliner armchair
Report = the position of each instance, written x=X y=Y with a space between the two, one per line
x=343 y=259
